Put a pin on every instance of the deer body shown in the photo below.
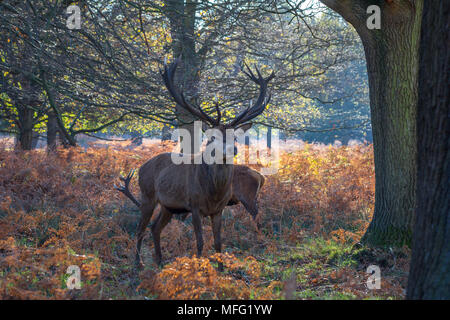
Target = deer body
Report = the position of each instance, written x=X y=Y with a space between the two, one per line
x=209 y=189
x=245 y=187
x=168 y=181
x=201 y=189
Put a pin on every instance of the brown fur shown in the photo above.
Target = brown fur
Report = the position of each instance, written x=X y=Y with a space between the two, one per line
x=201 y=189
x=245 y=188
x=159 y=171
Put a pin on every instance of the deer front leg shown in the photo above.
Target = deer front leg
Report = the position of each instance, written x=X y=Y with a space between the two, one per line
x=216 y=221
x=196 y=221
x=163 y=219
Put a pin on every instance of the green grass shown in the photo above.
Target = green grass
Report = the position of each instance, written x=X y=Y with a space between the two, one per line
x=314 y=261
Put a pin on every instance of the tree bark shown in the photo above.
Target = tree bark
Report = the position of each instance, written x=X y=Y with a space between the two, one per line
x=25 y=138
x=68 y=137
x=166 y=133
x=429 y=276
x=182 y=23
x=52 y=130
x=392 y=63
x=35 y=140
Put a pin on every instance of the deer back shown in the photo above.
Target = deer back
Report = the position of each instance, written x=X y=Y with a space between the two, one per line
x=150 y=170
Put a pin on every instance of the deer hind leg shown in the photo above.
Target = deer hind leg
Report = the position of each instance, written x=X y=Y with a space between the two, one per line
x=196 y=221
x=163 y=219
x=216 y=221
x=147 y=208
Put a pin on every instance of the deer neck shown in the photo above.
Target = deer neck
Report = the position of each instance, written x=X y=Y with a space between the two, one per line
x=218 y=178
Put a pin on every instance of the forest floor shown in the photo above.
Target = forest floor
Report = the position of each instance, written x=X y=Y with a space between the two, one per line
x=59 y=210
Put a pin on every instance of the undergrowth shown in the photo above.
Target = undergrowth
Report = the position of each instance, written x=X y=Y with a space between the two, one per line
x=58 y=210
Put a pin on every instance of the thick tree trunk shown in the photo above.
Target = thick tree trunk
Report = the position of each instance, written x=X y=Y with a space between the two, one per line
x=392 y=64
x=52 y=130
x=429 y=277
x=392 y=60
x=182 y=21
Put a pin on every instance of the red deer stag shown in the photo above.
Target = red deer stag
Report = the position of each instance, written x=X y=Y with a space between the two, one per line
x=202 y=189
x=245 y=188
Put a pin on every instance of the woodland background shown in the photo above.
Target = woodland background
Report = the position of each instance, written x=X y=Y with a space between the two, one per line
x=80 y=107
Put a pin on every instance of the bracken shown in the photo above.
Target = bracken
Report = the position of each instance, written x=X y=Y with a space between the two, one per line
x=60 y=209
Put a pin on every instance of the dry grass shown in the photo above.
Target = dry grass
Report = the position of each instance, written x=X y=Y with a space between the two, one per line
x=60 y=210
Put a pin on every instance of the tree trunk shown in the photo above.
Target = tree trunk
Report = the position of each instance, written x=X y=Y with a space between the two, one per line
x=165 y=133
x=52 y=130
x=62 y=140
x=429 y=276
x=35 y=140
x=25 y=138
x=392 y=63
x=182 y=25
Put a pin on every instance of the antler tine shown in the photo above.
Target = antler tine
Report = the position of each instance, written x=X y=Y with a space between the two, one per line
x=130 y=175
x=121 y=188
x=126 y=180
x=168 y=76
x=262 y=101
x=270 y=77
x=125 y=188
x=259 y=111
x=204 y=116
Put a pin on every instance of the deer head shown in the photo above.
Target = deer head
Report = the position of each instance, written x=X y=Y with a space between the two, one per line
x=240 y=122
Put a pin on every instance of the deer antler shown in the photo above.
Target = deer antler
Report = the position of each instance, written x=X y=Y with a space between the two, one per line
x=125 y=188
x=168 y=77
x=251 y=112
x=261 y=102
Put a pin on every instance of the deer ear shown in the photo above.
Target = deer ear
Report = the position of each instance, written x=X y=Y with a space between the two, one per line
x=244 y=127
